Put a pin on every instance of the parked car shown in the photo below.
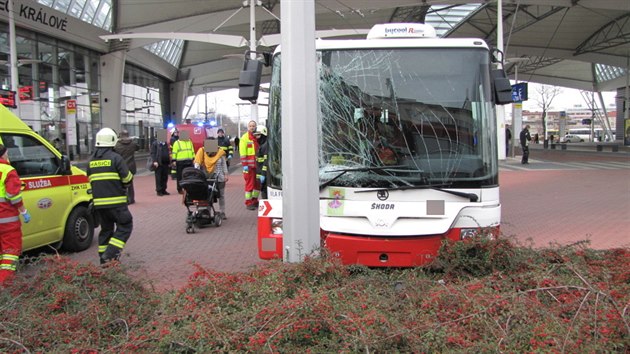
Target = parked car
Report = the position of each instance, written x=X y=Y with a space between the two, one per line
x=571 y=138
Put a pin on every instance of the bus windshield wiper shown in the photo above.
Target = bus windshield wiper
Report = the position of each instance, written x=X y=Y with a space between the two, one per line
x=357 y=169
x=470 y=196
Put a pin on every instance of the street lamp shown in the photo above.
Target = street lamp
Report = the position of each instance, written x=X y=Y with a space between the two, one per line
x=517 y=113
x=238 y=106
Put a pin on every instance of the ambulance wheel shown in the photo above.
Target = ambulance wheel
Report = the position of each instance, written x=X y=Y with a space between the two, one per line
x=218 y=219
x=79 y=230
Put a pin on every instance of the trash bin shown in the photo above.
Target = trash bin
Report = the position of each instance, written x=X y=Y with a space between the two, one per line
x=546 y=144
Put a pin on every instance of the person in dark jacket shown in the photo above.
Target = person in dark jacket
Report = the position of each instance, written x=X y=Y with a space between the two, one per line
x=525 y=138
x=224 y=144
x=161 y=162
x=261 y=159
x=127 y=148
x=109 y=176
x=174 y=138
x=508 y=140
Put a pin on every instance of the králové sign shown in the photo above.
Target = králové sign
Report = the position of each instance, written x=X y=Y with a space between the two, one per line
x=39 y=14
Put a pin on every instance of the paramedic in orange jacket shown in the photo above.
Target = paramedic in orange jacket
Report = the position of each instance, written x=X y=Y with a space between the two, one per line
x=248 y=148
x=11 y=206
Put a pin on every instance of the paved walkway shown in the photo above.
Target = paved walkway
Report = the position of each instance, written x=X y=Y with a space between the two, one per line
x=545 y=204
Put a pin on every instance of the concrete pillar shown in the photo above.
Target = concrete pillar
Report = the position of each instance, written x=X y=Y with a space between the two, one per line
x=179 y=93
x=112 y=71
x=300 y=189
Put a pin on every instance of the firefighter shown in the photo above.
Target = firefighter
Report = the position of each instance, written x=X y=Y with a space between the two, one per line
x=174 y=138
x=183 y=155
x=248 y=146
x=224 y=144
x=261 y=159
x=11 y=206
x=110 y=177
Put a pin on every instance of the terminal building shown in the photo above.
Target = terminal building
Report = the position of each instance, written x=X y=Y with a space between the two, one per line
x=61 y=59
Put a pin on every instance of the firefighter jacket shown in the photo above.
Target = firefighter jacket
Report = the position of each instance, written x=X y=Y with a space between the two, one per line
x=224 y=144
x=109 y=177
x=183 y=150
x=261 y=160
x=248 y=145
x=10 y=194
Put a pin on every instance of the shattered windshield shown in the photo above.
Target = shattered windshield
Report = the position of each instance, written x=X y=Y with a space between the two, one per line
x=400 y=117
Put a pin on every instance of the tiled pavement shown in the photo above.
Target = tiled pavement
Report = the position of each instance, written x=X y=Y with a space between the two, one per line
x=161 y=249
x=544 y=204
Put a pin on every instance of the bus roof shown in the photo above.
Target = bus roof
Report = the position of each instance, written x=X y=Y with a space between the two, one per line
x=376 y=41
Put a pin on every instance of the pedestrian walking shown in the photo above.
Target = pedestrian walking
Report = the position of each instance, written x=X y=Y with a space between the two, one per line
x=127 y=148
x=213 y=160
x=109 y=177
x=248 y=147
x=236 y=139
x=261 y=159
x=183 y=155
x=11 y=206
x=508 y=140
x=525 y=138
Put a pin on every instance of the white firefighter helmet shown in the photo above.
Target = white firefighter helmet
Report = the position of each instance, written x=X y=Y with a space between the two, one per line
x=106 y=137
x=261 y=129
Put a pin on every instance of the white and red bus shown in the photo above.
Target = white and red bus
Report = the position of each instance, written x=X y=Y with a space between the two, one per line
x=407 y=137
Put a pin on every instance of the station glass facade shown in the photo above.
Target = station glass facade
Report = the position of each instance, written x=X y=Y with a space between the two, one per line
x=52 y=71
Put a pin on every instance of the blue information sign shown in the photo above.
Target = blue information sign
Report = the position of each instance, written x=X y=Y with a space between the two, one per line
x=519 y=92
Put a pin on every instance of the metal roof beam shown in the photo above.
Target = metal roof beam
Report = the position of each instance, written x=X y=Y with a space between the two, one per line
x=613 y=34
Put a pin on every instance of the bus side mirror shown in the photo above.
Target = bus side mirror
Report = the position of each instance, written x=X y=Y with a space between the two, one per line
x=249 y=80
x=502 y=87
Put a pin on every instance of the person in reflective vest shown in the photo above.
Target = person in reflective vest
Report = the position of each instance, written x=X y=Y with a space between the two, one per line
x=248 y=147
x=182 y=156
x=261 y=159
x=109 y=176
x=11 y=206
x=225 y=145
x=174 y=138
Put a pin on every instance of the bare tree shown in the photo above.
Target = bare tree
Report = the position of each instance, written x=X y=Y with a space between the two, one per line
x=545 y=97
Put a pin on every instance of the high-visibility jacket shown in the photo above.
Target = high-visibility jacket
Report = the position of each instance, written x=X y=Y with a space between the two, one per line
x=10 y=194
x=225 y=145
x=183 y=150
x=10 y=225
x=261 y=161
x=247 y=149
x=109 y=176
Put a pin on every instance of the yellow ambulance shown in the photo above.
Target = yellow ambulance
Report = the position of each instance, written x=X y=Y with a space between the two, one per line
x=56 y=194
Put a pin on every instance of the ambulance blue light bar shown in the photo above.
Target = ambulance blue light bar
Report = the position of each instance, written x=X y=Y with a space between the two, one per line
x=402 y=30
